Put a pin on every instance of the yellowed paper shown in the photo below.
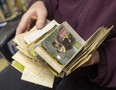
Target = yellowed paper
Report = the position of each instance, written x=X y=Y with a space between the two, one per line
x=44 y=78
x=18 y=66
x=37 y=34
x=28 y=63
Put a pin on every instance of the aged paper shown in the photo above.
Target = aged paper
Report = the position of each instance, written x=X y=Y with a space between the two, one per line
x=28 y=63
x=37 y=34
x=18 y=66
x=44 y=78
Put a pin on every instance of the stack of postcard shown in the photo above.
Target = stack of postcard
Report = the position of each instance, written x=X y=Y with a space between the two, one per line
x=56 y=50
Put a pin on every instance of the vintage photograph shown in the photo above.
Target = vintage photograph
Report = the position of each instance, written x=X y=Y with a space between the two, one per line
x=61 y=45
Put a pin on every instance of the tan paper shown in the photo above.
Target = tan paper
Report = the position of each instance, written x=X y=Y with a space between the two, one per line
x=44 y=78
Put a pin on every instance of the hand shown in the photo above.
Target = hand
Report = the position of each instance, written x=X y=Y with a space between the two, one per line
x=93 y=60
x=36 y=12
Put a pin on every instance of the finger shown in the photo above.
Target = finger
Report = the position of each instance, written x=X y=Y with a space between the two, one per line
x=41 y=19
x=24 y=23
x=40 y=23
x=22 y=26
x=33 y=23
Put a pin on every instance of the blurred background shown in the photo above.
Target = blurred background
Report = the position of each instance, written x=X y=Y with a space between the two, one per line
x=10 y=14
x=11 y=8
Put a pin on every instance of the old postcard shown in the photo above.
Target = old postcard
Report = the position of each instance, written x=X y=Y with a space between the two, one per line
x=61 y=45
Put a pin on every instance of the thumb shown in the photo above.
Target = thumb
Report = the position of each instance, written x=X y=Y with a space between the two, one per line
x=40 y=23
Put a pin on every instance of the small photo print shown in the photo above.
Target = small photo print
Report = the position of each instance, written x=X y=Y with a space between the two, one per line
x=61 y=45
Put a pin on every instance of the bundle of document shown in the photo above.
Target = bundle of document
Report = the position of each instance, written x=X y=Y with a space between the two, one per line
x=56 y=50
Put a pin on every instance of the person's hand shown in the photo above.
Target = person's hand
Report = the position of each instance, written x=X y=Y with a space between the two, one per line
x=36 y=12
x=95 y=58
